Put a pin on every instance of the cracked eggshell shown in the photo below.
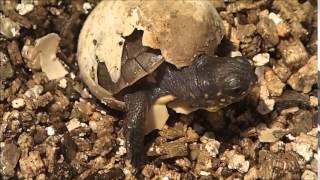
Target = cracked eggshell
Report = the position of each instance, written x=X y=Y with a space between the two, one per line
x=180 y=29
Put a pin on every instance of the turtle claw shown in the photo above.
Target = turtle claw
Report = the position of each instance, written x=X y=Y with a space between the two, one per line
x=136 y=109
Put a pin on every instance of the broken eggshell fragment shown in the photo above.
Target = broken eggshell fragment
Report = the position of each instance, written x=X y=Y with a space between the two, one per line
x=181 y=30
x=43 y=56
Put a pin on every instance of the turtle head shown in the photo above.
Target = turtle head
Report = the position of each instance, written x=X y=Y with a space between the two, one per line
x=223 y=81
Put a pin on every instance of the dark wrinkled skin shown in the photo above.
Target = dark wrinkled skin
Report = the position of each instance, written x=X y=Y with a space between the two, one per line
x=209 y=82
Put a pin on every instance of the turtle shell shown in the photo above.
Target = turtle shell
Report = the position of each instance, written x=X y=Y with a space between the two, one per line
x=137 y=61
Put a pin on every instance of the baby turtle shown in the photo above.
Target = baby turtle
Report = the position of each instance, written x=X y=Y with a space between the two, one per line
x=210 y=83
x=144 y=76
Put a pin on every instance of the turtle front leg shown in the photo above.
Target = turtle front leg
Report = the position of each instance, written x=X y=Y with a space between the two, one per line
x=137 y=105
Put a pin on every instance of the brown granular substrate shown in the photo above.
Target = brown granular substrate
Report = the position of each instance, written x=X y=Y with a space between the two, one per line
x=54 y=129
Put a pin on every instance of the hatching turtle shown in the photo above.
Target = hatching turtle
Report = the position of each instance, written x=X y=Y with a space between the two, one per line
x=134 y=56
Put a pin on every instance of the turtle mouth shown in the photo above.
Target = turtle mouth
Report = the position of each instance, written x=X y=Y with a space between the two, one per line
x=213 y=108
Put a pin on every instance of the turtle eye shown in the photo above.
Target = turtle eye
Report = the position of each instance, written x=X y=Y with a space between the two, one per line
x=233 y=86
x=232 y=82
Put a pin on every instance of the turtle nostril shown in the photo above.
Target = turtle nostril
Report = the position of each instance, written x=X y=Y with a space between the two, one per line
x=244 y=65
x=242 y=60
